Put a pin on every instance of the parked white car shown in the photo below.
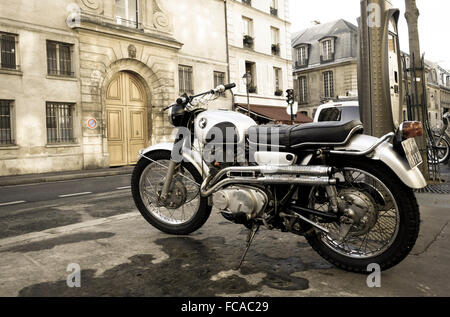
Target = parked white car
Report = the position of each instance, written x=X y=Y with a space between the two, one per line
x=344 y=111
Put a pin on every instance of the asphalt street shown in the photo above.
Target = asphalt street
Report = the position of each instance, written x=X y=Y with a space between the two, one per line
x=33 y=208
x=94 y=223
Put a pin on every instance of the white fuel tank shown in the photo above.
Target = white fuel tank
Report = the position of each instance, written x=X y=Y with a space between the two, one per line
x=232 y=125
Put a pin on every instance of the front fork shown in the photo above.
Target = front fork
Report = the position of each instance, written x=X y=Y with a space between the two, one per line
x=173 y=168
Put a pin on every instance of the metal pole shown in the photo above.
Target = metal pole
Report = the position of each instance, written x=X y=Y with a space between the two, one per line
x=248 y=102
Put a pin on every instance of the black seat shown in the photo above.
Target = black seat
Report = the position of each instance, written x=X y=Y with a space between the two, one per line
x=310 y=135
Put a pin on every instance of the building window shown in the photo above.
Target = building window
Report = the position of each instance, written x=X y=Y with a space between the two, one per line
x=127 y=13
x=250 y=68
x=6 y=133
x=247 y=2
x=219 y=78
x=328 y=84
x=274 y=7
x=8 y=51
x=247 y=29
x=327 y=51
x=185 y=79
x=60 y=123
x=302 y=56
x=59 y=59
x=275 y=36
x=278 y=75
x=303 y=90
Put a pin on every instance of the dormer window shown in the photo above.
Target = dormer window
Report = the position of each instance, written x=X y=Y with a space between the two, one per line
x=327 y=50
x=302 y=57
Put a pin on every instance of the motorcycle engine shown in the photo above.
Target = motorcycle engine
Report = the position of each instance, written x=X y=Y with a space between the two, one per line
x=251 y=201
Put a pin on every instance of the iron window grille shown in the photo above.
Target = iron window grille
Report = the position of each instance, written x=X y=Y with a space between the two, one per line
x=59 y=59
x=60 y=123
x=6 y=133
x=277 y=76
x=185 y=79
x=328 y=84
x=8 y=52
x=303 y=93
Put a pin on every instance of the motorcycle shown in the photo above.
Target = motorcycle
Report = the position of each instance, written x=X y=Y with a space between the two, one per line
x=442 y=142
x=349 y=194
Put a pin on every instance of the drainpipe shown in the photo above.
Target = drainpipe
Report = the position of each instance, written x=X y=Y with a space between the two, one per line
x=233 y=107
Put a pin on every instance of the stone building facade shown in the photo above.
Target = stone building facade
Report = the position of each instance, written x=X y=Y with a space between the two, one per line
x=259 y=44
x=83 y=82
x=325 y=64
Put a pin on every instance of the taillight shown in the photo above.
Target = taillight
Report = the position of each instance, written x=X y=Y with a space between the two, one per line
x=411 y=129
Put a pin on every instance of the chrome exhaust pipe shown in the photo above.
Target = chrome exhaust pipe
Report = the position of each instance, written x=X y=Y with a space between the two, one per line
x=319 y=171
x=268 y=180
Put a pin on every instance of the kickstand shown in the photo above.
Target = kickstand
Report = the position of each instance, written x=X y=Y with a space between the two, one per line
x=251 y=236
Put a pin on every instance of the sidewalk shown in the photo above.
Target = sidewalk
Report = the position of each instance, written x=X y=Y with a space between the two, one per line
x=63 y=176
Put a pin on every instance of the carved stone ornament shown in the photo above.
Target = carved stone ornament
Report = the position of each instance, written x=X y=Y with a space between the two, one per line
x=132 y=51
x=160 y=18
x=95 y=6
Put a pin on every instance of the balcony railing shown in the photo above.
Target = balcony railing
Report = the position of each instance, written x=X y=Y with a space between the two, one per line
x=248 y=41
x=274 y=11
x=327 y=59
x=301 y=64
x=275 y=49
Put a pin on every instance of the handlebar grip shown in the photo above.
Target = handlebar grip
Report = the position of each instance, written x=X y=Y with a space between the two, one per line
x=230 y=86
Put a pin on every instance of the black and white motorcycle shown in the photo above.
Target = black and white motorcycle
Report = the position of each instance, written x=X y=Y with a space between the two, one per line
x=350 y=195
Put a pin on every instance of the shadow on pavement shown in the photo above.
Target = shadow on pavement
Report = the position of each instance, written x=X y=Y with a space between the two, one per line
x=194 y=268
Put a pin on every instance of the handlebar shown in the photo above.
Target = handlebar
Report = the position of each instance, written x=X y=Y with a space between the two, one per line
x=184 y=100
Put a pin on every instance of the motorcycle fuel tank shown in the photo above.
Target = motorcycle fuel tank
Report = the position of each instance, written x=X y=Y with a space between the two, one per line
x=232 y=126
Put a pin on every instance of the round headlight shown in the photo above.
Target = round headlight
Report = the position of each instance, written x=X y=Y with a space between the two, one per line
x=177 y=116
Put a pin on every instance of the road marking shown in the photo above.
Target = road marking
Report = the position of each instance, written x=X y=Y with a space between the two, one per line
x=13 y=203
x=125 y=187
x=72 y=195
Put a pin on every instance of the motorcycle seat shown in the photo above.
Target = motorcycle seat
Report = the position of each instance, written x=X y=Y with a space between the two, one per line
x=310 y=135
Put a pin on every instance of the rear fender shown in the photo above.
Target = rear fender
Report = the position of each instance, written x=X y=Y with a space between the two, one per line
x=385 y=153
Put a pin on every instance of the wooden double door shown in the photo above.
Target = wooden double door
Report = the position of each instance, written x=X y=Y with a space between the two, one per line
x=127 y=119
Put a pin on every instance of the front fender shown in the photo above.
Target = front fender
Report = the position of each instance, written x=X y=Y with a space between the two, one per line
x=412 y=178
x=188 y=156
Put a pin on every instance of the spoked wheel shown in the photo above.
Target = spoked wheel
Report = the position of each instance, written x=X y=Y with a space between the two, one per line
x=184 y=211
x=384 y=221
x=442 y=150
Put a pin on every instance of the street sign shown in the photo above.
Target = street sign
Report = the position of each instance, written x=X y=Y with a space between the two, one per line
x=92 y=123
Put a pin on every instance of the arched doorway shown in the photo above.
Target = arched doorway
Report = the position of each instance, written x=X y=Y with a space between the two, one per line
x=127 y=122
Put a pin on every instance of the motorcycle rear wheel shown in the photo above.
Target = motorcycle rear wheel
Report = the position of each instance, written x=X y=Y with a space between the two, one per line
x=404 y=233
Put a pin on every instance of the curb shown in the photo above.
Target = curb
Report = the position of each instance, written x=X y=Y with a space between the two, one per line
x=37 y=179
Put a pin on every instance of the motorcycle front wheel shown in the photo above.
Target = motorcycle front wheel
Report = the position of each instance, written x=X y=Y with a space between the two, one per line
x=389 y=212
x=185 y=211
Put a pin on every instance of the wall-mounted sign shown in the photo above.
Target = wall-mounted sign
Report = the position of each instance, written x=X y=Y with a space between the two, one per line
x=92 y=123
